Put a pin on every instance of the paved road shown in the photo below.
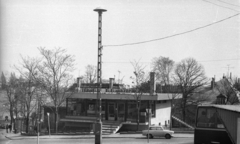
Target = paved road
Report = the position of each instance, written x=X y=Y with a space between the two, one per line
x=3 y=139
x=106 y=141
x=89 y=139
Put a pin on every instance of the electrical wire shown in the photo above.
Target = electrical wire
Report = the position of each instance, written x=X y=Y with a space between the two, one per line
x=197 y=61
x=174 y=35
x=228 y=3
x=220 y=6
x=217 y=60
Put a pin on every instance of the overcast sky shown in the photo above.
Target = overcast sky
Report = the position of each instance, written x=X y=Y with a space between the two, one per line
x=72 y=25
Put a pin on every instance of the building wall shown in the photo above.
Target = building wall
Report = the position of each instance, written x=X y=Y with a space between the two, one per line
x=230 y=120
x=163 y=111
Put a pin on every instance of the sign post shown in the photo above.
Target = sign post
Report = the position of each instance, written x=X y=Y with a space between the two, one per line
x=149 y=119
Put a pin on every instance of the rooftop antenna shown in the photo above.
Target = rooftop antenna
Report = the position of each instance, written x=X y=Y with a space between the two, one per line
x=122 y=79
x=119 y=76
x=228 y=67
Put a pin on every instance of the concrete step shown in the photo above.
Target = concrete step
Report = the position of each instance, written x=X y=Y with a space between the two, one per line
x=110 y=127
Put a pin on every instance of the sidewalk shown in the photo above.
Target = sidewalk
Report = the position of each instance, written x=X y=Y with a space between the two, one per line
x=13 y=136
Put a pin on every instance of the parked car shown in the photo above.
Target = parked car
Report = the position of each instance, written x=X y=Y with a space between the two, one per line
x=157 y=131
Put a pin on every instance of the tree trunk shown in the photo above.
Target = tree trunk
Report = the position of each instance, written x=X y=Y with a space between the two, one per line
x=56 y=119
x=183 y=113
x=27 y=123
x=184 y=108
x=170 y=125
x=137 y=117
x=11 y=114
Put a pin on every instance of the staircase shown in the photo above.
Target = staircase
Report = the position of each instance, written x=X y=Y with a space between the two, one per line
x=182 y=122
x=110 y=127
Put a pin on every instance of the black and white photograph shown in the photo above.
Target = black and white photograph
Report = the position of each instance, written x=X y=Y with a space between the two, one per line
x=120 y=71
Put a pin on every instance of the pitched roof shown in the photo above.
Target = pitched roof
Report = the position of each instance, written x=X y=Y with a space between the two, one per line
x=223 y=86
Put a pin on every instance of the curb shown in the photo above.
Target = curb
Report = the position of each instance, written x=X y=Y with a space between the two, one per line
x=21 y=138
x=183 y=135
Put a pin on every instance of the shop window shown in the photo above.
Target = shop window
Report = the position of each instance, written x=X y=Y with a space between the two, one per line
x=132 y=111
x=75 y=107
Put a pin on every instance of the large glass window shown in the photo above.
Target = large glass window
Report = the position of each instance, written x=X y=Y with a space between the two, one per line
x=121 y=111
x=91 y=108
x=132 y=111
x=209 y=118
x=76 y=107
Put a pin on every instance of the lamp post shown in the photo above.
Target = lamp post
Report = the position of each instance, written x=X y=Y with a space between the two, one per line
x=98 y=124
x=48 y=125
x=38 y=131
x=14 y=124
x=149 y=119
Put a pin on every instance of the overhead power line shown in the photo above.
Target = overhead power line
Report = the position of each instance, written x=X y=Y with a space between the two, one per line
x=220 y=5
x=174 y=35
x=198 y=61
x=228 y=3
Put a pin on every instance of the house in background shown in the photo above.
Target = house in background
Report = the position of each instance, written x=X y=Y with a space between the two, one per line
x=221 y=91
x=215 y=92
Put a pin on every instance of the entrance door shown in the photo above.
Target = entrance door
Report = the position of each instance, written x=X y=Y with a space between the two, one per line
x=111 y=111
x=121 y=111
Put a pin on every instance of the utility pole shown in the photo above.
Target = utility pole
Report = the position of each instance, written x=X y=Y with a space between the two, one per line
x=98 y=124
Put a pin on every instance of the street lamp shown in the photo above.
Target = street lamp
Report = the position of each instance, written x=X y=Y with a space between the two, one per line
x=14 y=124
x=98 y=124
x=48 y=125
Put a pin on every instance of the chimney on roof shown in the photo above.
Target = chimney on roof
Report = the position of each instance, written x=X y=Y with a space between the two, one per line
x=152 y=83
x=111 y=81
x=230 y=75
x=224 y=76
x=79 y=83
x=213 y=83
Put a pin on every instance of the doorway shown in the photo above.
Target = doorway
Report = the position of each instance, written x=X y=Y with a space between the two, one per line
x=111 y=111
x=121 y=111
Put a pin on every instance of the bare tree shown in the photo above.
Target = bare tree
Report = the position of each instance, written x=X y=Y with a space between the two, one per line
x=138 y=79
x=174 y=95
x=28 y=85
x=139 y=73
x=90 y=74
x=163 y=67
x=10 y=87
x=54 y=73
x=189 y=75
x=3 y=81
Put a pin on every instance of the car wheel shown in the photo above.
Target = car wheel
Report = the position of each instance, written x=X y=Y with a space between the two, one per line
x=168 y=136
x=150 y=136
